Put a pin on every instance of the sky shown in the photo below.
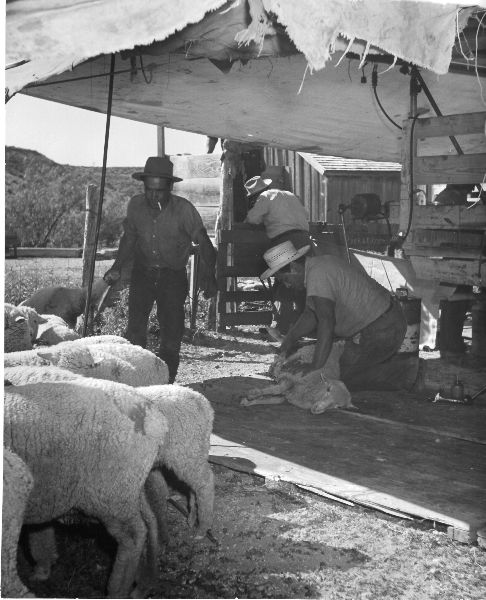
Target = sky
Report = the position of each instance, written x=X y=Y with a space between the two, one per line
x=76 y=136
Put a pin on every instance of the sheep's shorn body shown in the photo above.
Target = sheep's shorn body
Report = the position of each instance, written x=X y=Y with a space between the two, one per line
x=316 y=391
x=17 y=485
x=124 y=363
x=54 y=331
x=16 y=335
x=190 y=419
x=89 y=448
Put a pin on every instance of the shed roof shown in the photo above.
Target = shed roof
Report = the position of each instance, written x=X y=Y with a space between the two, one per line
x=324 y=164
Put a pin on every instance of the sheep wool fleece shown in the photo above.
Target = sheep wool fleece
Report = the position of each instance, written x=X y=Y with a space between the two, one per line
x=85 y=454
x=190 y=419
x=17 y=485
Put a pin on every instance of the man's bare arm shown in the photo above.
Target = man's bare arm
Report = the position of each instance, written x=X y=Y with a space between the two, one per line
x=305 y=325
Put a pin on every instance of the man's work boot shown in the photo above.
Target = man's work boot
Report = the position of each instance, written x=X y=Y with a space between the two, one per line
x=171 y=359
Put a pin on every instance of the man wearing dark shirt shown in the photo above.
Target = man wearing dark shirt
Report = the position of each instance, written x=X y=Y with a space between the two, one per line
x=159 y=231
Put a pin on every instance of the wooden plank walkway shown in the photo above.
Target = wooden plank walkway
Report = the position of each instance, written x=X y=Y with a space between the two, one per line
x=402 y=462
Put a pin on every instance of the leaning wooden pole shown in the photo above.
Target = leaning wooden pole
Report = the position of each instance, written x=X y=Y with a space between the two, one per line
x=102 y=191
x=89 y=246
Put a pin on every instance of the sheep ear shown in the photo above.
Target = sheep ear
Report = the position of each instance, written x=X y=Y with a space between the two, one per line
x=20 y=319
x=47 y=355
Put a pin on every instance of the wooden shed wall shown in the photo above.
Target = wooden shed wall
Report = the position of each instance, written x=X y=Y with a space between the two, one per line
x=305 y=181
x=322 y=194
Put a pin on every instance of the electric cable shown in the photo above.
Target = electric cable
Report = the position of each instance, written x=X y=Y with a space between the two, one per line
x=374 y=83
x=410 y=193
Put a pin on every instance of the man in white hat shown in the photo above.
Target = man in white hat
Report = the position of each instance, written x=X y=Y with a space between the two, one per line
x=281 y=212
x=345 y=303
x=159 y=232
x=284 y=217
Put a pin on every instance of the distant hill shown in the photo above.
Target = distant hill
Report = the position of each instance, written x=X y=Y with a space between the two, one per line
x=45 y=201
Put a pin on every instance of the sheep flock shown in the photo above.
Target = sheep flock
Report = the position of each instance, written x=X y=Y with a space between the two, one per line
x=91 y=428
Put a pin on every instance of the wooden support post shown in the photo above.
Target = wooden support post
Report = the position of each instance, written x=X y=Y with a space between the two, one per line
x=405 y=178
x=160 y=140
x=231 y=166
x=193 y=289
x=89 y=242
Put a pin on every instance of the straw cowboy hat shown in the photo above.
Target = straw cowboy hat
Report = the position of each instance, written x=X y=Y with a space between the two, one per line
x=157 y=166
x=281 y=255
x=256 y=185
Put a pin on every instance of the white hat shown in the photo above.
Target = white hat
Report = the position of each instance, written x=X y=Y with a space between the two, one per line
x=256 y=185
x=281 y=255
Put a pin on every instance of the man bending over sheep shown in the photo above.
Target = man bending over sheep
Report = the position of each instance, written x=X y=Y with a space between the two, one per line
x=344 y=302
x=159 y=231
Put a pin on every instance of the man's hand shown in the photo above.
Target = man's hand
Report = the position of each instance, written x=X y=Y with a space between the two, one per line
x=287 y=346
x=111 y=276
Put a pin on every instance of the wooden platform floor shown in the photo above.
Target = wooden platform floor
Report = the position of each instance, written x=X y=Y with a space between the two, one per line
x=398 y=452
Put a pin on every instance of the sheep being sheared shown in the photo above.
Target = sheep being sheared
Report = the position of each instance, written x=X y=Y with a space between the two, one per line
x=318 y=390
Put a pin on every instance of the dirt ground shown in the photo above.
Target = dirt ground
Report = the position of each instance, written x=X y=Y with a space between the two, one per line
x=272 y=539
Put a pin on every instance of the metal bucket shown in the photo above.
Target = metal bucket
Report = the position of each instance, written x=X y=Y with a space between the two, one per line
x=412 y=307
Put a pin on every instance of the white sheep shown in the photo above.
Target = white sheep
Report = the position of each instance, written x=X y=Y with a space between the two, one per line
x=17 y=336
x=22 y=375
x=124 y=363
x=184 y=451
x=66 y=302
x=91 y=448
x=190 y=418
x=34 y=319
x=55 y=330
x=317 y=390
x=17 y=485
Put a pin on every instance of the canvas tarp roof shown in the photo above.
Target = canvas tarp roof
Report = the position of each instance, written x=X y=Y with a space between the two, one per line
x=55 y=35
x=255 y=71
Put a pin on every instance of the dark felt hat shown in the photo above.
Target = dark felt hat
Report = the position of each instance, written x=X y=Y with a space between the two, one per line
x=157 y=166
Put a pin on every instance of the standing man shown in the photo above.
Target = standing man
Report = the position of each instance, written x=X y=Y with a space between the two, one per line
x=159 y=231
x=345 y=303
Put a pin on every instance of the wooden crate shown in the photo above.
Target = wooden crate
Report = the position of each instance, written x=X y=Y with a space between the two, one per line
x=447 y=243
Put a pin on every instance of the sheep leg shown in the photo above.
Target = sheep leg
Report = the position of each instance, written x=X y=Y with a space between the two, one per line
x=157 y=494
x=204 y=497
x=131 y=536
x=43 y=549
x=154 y=513
x=275 y=394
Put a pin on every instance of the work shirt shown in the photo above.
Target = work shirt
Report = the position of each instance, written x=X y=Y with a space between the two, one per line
x=359 y=300
x=159 y=239
x=279 y=211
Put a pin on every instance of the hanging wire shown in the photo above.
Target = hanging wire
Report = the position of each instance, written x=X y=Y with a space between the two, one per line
x=374 y=83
